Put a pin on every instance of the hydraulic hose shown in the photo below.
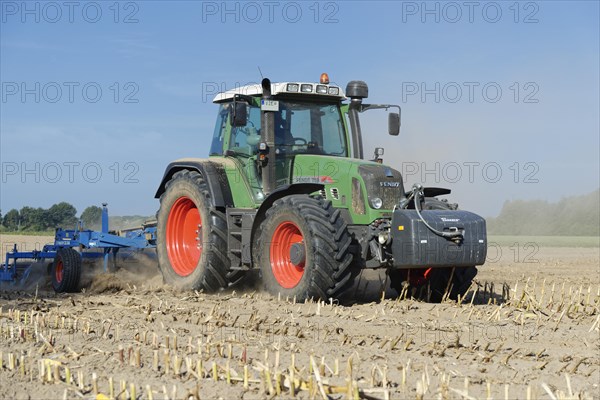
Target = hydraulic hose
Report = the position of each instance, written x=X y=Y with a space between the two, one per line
x=417 y=193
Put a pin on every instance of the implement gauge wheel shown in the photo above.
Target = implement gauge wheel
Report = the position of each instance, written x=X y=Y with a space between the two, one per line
x=192 y=236
x=66 y=270
x=303 y=250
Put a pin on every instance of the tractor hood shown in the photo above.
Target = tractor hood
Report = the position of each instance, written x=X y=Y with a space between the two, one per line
x=368 y=189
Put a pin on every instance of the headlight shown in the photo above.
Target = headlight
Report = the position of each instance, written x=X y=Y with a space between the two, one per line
x=322 y=89
x=292 y=87
x=383 y=237
x=306 y=88
x=376 y=203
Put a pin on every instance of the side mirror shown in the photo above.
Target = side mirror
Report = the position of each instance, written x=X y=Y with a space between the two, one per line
x=394 y=124
x=239 y=114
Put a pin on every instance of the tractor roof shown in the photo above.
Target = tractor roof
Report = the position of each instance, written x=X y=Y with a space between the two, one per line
x=291 y=88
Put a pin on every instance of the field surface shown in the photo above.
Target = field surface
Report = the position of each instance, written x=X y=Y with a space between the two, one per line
x=528 y=329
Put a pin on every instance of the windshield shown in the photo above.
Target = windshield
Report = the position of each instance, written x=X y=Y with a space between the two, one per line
x=310 y=128
x=300 y=128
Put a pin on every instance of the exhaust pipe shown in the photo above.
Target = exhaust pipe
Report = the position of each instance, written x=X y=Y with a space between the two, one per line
x=267 y=136
x=357 y=91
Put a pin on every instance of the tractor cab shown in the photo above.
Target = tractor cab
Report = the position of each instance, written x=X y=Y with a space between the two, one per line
x=304 y=118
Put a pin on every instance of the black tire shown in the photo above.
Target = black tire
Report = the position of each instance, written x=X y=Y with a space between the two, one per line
x=179 y=263
x=431 y=203
x=66 y=270
x=435 y=286
x=439 y=278
x=325 y=269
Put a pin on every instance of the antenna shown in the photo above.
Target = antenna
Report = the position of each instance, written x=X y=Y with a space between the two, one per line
x=260 y=72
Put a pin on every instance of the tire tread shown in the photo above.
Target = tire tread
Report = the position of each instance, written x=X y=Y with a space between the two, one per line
x=217 y=272
x=332 y=274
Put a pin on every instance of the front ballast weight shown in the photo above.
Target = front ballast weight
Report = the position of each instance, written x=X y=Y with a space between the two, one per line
x=443 y=237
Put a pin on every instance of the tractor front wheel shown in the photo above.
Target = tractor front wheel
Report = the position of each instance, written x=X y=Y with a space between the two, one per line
x=303 y=250
x=66 y=270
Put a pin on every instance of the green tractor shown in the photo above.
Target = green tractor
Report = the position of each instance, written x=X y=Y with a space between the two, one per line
x=286 y=192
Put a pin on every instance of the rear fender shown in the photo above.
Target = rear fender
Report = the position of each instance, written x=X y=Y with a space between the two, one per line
x=213 y=173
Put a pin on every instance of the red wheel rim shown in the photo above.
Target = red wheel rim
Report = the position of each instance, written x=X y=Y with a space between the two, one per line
x=58 y=271
x=286 y=273
x=419 y=277
x=184 y=233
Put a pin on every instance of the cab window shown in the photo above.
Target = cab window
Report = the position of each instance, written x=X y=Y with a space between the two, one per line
x=244 y=139
x=216 y=147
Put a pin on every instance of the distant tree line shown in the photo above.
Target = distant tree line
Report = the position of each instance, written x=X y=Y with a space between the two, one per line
x=30 y=219
x=571 y=216
x=63 y=215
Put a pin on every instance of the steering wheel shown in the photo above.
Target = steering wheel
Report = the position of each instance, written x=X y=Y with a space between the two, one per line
x=248 y=130
x=303 y=141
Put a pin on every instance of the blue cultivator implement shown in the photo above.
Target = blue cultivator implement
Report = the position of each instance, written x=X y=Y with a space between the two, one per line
x=65 y=267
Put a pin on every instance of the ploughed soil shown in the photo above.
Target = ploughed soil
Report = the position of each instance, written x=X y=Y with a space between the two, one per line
x=529 y=328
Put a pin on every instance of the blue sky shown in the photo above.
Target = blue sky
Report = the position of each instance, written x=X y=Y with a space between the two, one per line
x=499 y=101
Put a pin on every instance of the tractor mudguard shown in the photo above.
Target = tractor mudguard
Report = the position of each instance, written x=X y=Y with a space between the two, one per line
x=282 y=191
x=414 y=245
x=435 y=191
x=213 y=173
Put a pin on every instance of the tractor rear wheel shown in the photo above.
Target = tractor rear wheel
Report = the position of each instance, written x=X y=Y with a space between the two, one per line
x=66 y=270
x=192 y=236
x=431 y=284
x=303 y=250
